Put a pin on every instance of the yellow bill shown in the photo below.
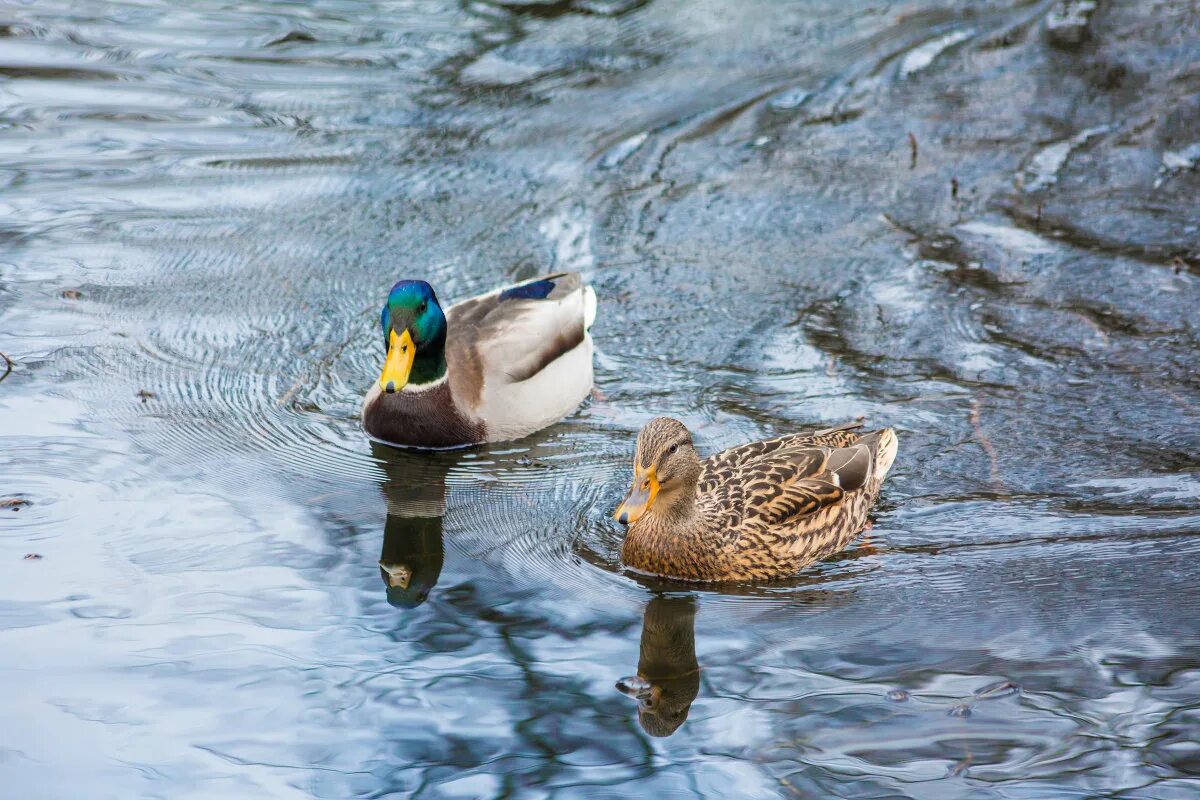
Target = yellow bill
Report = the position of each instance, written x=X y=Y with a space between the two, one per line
x=400 y=355
x=640 y=498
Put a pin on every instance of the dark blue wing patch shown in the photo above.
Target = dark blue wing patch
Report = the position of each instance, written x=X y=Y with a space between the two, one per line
x=538 y=290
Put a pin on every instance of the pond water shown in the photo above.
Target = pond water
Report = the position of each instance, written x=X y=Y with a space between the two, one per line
x=976 y=223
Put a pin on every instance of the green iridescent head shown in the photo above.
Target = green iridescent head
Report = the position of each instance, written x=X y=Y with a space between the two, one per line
x=414 y=337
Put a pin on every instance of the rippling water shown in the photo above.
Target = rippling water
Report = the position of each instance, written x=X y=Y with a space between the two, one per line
x=954 y=219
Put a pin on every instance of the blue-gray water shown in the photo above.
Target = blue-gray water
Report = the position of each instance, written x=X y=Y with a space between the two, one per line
x=943 y=216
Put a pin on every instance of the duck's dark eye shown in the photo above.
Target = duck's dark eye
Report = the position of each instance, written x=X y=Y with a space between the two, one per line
x=672 y=448
x=421 y=308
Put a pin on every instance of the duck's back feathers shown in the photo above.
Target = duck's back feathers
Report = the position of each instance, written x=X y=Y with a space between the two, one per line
x=775 y=487
x=717 y=468
x=521 y=356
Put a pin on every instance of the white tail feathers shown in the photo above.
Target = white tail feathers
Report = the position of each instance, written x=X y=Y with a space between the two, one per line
x=885 y=452
x=589 y=307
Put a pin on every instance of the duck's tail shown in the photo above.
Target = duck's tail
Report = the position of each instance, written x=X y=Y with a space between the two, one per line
x=883 y=445
x=589 y=307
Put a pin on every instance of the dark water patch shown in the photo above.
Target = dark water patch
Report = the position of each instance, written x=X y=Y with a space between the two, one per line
x=53 y=73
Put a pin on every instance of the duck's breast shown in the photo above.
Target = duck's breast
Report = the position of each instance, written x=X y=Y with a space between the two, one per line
x=426 y=417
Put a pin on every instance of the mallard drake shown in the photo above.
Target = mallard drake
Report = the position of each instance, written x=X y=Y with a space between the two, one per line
x=755 y=512
x=491 y=368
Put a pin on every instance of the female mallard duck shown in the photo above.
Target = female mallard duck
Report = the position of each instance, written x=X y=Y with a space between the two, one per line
x=759 y=511
x=490 y=368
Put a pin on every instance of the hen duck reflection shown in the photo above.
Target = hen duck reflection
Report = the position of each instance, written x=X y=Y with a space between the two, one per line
x=412 y=555
x=668 y=677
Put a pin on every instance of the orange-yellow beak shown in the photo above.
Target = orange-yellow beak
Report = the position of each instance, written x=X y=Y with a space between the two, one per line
x=640 y=498
x=400 y=355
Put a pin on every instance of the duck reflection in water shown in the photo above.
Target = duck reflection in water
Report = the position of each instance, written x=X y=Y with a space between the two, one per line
x=415 y=490
x=668 y=677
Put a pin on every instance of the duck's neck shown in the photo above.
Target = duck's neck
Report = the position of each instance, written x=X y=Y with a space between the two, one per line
x=429 y=365
x=666 y=531
x=680 y=512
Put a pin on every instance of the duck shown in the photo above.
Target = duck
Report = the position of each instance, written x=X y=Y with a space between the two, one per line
x=490 y=368
x=757 y=512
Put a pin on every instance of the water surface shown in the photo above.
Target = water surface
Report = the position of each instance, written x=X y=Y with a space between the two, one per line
x=947 y=218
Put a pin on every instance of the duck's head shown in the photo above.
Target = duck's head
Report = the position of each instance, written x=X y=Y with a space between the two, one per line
x=666 y=468
x=414 y=336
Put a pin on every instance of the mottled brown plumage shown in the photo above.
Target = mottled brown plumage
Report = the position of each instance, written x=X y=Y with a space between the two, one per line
x=760 y=511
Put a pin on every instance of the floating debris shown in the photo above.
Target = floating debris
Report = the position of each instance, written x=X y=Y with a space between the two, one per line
x=13 y=503
x=71 y=294
x=912 y=147
x=33 y=557
x=921 y=57
x=960 y=710
x=1068 y=22
x=789 y=99
x=997 y=689
x=897 y=696
x=144 y=395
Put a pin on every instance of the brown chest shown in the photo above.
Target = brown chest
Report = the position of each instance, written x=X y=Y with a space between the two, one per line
x=428 y=418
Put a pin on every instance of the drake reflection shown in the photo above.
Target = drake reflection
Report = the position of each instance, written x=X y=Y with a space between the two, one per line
x=415 y=490
x=668 y=677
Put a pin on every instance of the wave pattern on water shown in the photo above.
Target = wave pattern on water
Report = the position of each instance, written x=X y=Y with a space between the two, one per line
x=794 y=215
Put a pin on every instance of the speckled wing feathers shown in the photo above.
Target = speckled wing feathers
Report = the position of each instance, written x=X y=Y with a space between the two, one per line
x=779 y=504
x=773 y=488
